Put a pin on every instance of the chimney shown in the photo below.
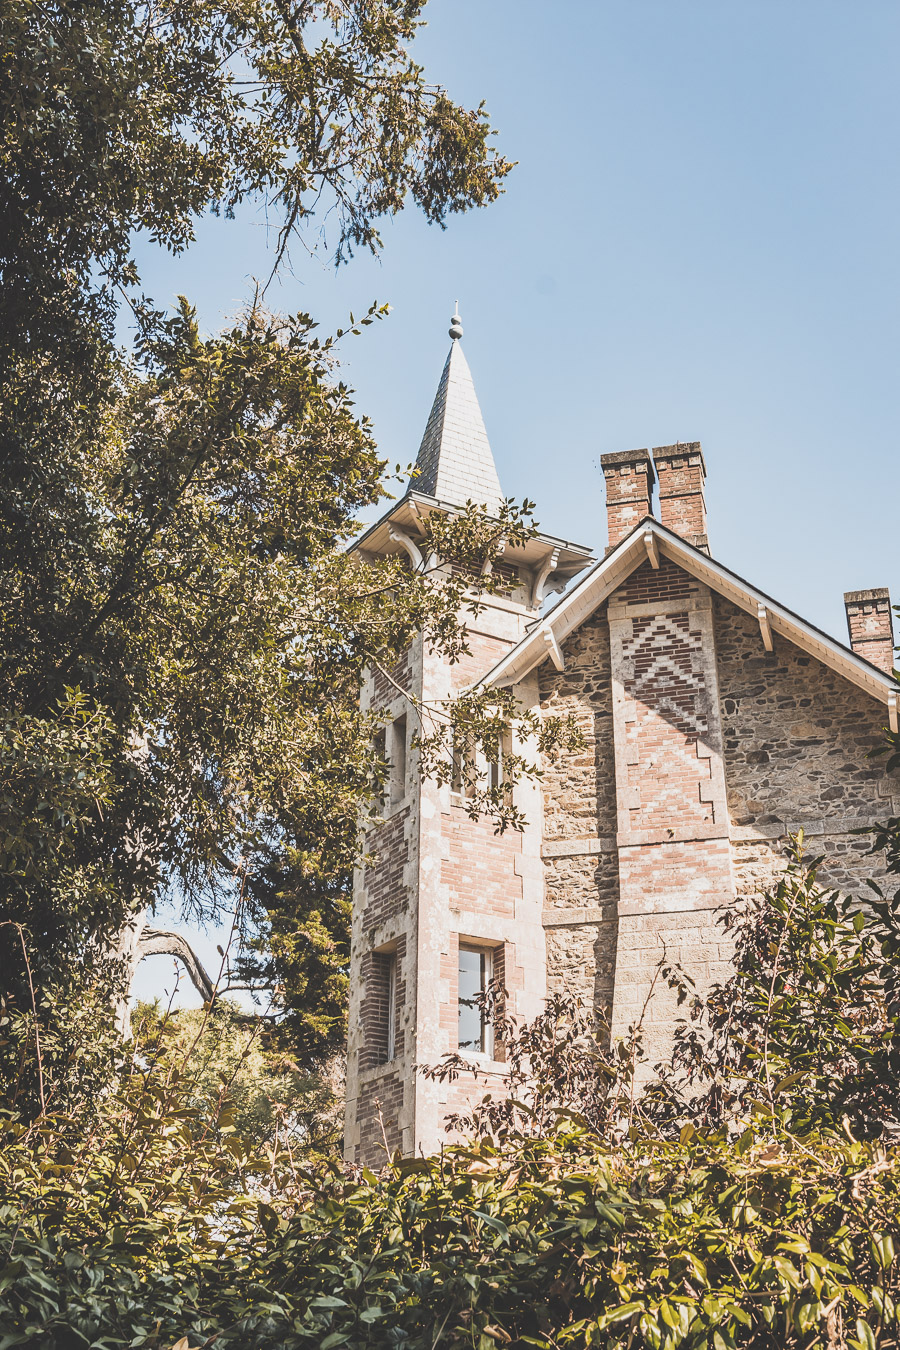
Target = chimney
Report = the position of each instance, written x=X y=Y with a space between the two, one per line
x=682 y=474
x=870 y=627
x=629 y=483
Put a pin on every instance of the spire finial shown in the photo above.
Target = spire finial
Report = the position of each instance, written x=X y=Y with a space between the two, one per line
x=456 y=329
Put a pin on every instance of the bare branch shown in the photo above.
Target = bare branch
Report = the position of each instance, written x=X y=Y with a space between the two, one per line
x=158 y=942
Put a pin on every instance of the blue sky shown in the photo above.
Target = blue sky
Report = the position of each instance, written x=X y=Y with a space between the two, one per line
x=700 y=242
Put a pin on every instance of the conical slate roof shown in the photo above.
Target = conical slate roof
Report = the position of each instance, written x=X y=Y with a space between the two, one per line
x=455 y=462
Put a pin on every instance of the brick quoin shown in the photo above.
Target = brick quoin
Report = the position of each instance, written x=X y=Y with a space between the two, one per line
x=389 y=853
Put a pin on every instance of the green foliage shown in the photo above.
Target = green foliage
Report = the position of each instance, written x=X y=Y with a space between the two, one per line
x=120 y=117
x=58 y=1051
x=573 y=1218
x=806 y=1032
x=156 y=1228
x=224 y=1057
x=182 y=632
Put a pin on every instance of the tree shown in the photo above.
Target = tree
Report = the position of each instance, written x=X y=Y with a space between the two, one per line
x=182 y=628
x=236 y=1076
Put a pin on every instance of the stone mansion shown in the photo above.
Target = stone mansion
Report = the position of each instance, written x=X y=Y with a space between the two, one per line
x=716 y=721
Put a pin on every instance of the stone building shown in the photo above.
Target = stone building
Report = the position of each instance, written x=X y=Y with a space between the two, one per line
x=716 y=721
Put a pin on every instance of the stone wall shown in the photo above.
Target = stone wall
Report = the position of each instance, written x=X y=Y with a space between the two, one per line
x=798 y=743
x=581 y=877
x=723 y=749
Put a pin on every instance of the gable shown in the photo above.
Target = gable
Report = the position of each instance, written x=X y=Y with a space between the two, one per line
x=645 y=559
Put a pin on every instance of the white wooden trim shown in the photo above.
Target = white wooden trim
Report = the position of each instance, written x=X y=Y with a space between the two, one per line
x=605 y=576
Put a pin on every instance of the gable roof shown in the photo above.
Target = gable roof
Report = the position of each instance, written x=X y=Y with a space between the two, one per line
x=455 y=463
x=648 y=541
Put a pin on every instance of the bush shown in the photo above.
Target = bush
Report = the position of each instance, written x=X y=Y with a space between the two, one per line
x=156 y=1230
x=737 y=1204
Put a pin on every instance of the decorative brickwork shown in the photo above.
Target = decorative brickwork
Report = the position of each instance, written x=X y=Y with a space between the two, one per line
x=682 y=474
x=870 y=626
x=479 y=866
x=650 y=585
x=629 y=485
x=674 y=854
x=388 y=852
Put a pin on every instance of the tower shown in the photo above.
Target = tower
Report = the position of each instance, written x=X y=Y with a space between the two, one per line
x=442 y=903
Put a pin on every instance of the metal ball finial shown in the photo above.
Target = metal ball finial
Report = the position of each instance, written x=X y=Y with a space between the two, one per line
x=456 y=329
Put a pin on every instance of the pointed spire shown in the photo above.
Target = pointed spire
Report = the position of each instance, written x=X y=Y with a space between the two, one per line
x=455 y=462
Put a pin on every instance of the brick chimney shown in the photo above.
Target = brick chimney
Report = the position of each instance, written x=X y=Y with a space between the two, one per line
x=870 y=627
x=629 y=484
x=682 y=473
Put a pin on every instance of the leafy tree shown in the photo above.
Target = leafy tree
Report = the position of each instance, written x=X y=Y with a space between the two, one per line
x=806 y=1032
x=160 y=1227
x=182 y=630
x=230 y=1071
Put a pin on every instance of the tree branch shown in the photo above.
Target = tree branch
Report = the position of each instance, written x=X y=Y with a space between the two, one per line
x=157 y=942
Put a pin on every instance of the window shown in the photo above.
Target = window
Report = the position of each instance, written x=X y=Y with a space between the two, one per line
x=398 y=760
x=461 y=780
x=475 y=973
x=382 y=1011
x=391 y=1005
x=497 y=765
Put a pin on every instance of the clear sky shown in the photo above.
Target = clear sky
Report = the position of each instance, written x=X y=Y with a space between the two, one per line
x=700 y=242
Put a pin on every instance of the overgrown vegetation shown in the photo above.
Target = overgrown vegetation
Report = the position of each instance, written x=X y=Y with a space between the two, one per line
x=732 y=1204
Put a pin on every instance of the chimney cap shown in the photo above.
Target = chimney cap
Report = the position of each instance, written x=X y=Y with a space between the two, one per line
x=617 y=457
x=862 y=597
x=680 y=448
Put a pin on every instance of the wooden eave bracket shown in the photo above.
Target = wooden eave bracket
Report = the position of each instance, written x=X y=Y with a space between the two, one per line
x=765 y=627
x=893 y=718
x=541 y=577
x=554 y=651
x=401 y=537
x=652 y=550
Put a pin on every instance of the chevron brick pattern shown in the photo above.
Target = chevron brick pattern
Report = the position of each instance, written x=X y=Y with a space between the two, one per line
x=664 y=685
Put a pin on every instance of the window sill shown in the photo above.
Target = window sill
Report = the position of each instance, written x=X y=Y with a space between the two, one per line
x=391 y=809
x=381 y=1070
x=483 y=1063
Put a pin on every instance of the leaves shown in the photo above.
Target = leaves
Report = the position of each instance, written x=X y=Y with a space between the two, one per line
x=389 y=1260
x=183 y=629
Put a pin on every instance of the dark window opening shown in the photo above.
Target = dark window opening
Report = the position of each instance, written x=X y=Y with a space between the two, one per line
x=383 y=1007
x=398 y=760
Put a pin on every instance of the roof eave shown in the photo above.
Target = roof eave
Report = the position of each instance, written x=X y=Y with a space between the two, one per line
x=607 y=574
x=573 y=558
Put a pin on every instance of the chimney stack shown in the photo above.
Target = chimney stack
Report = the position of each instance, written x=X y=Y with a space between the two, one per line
x=682 y=508
x=629 y=484
x=870 y=627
